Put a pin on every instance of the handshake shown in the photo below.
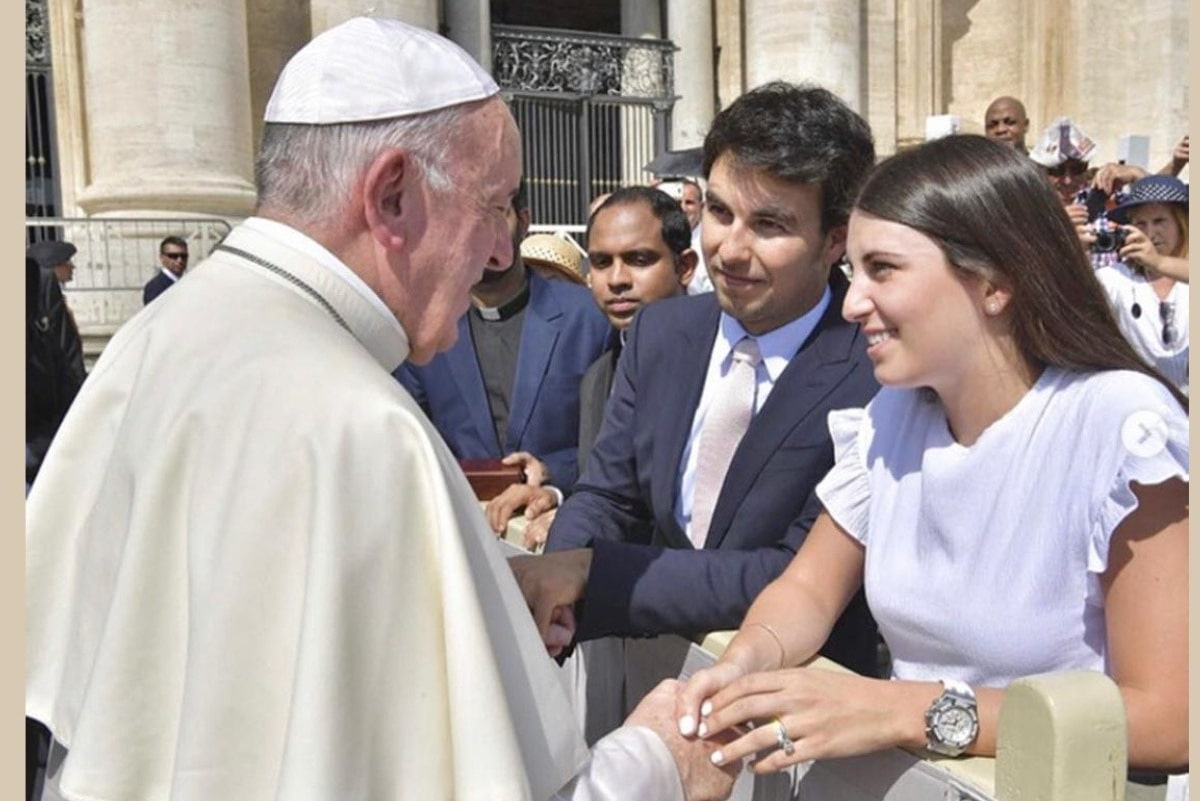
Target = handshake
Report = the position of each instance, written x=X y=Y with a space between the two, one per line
x=701 y=777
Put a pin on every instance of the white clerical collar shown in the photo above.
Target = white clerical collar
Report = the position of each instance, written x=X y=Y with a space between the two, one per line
x=318 y=253
x=168 y=273
x=777 y=346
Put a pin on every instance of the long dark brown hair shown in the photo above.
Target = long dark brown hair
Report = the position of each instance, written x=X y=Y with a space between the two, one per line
x=994 y=215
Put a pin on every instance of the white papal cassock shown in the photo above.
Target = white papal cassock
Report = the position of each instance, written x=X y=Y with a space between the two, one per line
x=254 y=571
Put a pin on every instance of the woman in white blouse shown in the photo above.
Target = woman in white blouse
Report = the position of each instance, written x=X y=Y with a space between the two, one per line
x=1014 y=500
x=1148 y=289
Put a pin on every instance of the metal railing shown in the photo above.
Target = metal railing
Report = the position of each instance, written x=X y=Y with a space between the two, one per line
x=116 y=256
x=593 y=110
x=578 y=63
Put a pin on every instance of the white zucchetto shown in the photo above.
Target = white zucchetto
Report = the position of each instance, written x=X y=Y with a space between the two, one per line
x=369 y=68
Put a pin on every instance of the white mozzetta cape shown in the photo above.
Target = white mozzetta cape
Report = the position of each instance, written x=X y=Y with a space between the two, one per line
x=254 y=571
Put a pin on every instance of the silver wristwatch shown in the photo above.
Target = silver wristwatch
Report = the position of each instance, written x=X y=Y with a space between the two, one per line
x=952 y=720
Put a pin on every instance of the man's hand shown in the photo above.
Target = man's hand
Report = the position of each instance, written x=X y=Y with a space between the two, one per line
x=1113 y=176
x=1179 y=158
x=536 y=472
x=1079 y=218
x=535 y=533
x=506 y=505
x=551 y=581
x=561 y=631
x=702 y=781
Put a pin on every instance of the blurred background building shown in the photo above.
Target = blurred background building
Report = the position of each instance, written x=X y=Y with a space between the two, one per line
x=142 y=118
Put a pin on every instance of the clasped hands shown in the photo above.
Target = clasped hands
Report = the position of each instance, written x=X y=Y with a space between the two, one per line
x=817 y=713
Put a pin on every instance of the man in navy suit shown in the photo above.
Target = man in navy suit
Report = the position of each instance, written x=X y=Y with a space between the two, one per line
x=510 y=385
x=173 y=255
x=639 y=252
x=783 y=164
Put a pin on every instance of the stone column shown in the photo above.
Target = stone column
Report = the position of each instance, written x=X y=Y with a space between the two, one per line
x=168 y=108
x=730 y=51
x=275 y=32
x=469 y=25
x=880 y=112
x=690 y=25
x=327 y=13
x=806 y=40
x=918 y=77
x=984 y=46
x=642 y=20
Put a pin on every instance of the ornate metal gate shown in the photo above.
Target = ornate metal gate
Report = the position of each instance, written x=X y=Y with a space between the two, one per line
x=41 y=162
x=593 y=110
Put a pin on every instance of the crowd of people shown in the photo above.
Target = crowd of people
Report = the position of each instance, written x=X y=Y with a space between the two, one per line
x=821 y=400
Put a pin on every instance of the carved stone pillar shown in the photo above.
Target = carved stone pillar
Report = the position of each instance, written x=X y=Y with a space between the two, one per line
x=806 y=40
x=168 y=120
x=689 y=23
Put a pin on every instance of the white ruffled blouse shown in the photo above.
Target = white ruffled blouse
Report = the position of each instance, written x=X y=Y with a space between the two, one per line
x=983 y=562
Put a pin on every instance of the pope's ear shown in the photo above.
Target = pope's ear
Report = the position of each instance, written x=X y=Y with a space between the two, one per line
x=386 y=196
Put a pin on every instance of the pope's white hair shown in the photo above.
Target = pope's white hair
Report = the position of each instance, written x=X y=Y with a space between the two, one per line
x=309 y=171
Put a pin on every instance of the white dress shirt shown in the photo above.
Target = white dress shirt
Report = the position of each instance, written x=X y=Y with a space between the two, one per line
x=777 y=348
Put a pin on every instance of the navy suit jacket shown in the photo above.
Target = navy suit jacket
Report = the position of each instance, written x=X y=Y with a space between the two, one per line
x=658 y=583
x=155 y=287
x=562 y=334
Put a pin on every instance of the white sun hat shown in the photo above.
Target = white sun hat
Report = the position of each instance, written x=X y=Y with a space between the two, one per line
x=369 y=68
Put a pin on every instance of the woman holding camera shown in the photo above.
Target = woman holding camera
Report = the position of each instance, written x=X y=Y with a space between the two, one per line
x=993 y=499
x=1148 y=289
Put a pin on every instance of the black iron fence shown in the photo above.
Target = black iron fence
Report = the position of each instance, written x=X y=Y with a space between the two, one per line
x=593 y=110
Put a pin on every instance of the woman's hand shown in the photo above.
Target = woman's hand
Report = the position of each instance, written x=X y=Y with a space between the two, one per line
x=1139 y=249
x=824 y=714
x=692 y=701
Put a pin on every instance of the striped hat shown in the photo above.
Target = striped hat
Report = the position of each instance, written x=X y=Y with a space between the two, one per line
x=1151 y=189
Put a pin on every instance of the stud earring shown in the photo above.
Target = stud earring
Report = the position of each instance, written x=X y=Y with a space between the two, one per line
x=993 y=308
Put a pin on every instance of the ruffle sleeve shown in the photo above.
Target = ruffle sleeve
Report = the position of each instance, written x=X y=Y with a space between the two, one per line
x=1152 y=452
x=845 y=491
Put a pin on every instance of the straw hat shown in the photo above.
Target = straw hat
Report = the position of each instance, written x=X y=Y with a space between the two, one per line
x=555 y=253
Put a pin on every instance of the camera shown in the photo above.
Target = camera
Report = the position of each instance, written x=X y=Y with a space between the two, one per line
x=1108 y=238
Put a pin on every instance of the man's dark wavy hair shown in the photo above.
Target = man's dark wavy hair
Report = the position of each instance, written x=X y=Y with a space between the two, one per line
x=801 y=134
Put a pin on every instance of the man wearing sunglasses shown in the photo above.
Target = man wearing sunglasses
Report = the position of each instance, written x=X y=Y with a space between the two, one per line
x=173 y=255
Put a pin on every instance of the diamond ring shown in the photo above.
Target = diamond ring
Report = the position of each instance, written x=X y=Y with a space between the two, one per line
x=781 y=737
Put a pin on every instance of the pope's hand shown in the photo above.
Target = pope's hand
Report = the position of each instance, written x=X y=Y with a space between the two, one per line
x=702 y=780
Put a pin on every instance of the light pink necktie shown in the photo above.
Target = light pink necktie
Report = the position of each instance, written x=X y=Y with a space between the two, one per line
x=724 y=426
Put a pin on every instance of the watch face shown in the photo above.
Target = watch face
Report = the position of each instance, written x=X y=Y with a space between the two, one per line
x=955 y=726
